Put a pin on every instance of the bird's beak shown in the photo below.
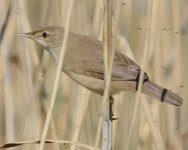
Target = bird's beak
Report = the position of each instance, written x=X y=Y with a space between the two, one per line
x=28 y=35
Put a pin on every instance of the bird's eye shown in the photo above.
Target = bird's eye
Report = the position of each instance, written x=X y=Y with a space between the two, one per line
x=44 y=34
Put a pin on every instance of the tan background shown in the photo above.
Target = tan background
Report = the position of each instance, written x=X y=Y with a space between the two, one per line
x=27 y=73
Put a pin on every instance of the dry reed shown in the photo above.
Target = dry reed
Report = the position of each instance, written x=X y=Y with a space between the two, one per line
x=27 y=73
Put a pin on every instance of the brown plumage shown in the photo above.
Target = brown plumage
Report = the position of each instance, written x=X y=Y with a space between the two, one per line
x=83 y=62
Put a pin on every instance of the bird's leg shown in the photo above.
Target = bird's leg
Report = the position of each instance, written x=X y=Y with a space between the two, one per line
x=111 y=101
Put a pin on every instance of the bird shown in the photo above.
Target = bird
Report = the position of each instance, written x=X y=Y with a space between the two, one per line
x=83 y=62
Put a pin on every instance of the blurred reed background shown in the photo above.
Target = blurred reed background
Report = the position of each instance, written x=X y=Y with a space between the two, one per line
x=27 y=74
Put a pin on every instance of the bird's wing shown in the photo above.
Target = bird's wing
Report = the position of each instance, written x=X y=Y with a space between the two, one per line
x=124 y=69
x=90 y=58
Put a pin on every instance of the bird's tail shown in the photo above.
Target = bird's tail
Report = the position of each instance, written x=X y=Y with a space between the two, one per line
x=161 y=93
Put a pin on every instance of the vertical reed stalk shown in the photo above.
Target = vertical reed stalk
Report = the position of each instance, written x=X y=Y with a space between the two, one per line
x=57 y=77
x=106 y=108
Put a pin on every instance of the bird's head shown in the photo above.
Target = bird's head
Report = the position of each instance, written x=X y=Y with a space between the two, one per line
x=48 y=37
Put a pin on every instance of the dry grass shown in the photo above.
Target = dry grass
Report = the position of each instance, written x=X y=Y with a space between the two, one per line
x=28 y=73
